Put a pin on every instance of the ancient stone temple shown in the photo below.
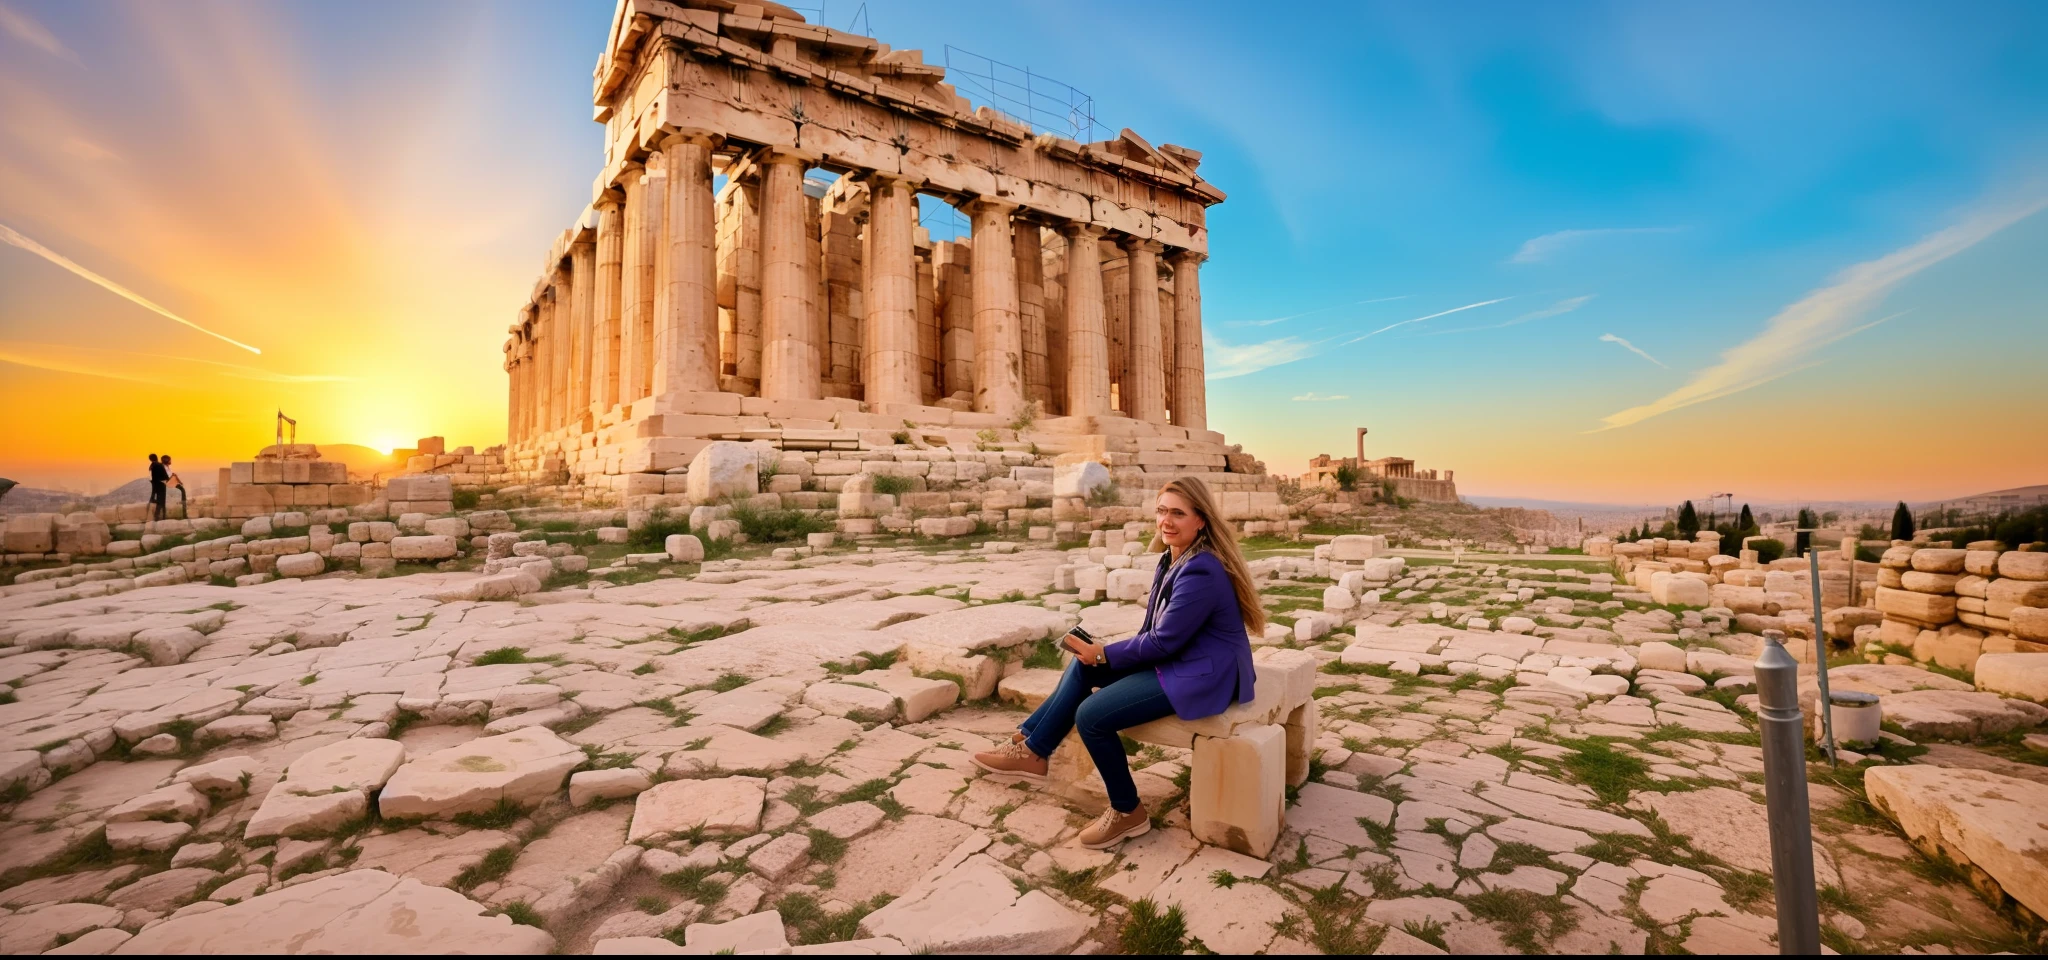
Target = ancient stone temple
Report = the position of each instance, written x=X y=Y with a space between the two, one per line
x=752 y=267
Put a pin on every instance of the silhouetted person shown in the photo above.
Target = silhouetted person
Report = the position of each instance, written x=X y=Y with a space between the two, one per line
x=175 y=484
x=159 y=479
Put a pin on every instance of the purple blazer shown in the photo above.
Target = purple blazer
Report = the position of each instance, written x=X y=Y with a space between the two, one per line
x=1194 y=636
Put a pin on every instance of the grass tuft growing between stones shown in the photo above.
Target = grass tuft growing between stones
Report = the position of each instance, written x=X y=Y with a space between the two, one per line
x=501 y=655
x=1527 y=922
x=494 y=866
x=523 y=914
x=695 y=883
x=502 y=814
x=1147 y=931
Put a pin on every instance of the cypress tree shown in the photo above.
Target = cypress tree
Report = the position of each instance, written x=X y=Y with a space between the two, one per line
x=1902 y=522
x=1747 y=523
x=1688 y=521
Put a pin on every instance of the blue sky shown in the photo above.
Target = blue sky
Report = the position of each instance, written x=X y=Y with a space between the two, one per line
x=1786 y=250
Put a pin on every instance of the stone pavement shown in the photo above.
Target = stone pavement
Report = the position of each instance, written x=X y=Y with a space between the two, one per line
x=768 y=754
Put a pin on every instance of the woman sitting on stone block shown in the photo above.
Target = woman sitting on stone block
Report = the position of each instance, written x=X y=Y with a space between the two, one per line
x=1191 y=659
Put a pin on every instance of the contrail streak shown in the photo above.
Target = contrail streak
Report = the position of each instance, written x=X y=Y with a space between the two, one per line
x=1632 y=348
x=1432 y=316
x=8 y=234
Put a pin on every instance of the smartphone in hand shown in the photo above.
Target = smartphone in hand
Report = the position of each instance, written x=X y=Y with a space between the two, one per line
x=1076 y=638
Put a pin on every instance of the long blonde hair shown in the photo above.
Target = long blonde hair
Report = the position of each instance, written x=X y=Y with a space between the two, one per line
x=1220 y=538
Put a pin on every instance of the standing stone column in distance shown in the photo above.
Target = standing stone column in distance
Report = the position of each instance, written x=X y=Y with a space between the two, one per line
x=544 y=363
x=1190 y=386
x=653 y=274
x=1148 y=368
x=634 y=301
x=582 y=299
x=890 y=368
x=686 y=334
x=1087 y=336
x=604 y=309
x=559 y=340
x=788 y=358
x=998 y=325
x=1030 y=255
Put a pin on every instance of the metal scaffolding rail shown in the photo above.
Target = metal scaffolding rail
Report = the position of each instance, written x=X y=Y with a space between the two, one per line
x=1041 y=103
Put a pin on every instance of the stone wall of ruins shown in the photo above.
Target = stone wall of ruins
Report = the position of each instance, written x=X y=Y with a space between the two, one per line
x=718 y=287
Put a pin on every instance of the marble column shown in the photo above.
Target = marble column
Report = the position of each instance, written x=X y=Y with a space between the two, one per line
x=998 y=325
x=686 y=333
x=1030 y=256
x=1087 y=334
x=544 y=362
x=789 y=364
x=1147 y=398
x=653 y=274
x=559 y=343
x=582 y=303
x=635 y=300
x=604 y=309
x=1190 y=386
x=889 y=295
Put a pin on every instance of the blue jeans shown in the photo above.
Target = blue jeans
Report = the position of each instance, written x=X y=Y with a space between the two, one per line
x=1099 y=702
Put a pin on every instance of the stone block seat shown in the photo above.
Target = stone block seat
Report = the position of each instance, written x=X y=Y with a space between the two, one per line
x=1244 y=758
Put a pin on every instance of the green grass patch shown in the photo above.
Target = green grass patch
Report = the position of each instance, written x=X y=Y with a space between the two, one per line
x=1526 y=921
x=522 y=914
x=502 y=814
x=825 y=848
x=653 y=535
x=494 y=866
x=695 y=883
x=501 y=655
x=1147 y=931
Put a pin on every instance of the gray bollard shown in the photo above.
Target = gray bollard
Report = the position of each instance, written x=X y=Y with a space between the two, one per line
x=1784 y=743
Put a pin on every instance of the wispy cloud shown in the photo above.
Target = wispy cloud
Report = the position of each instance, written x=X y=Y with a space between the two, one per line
x=1314 y=397
x=1309 y=313
x=1632 y=348
x=150 y=368
x=1539 y=249
x=25 y=29
x=1556 y=309
x=1227 y=360
x=1825 y=316
x=1433 y=316
x=9 y=235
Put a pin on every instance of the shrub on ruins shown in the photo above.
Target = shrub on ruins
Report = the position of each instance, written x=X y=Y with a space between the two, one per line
x=1802 y=540
x=1106 y=495
x=654 y=534
x=891 y=484
x=1688 y=522
x=2012 y=529
x=1902 y=522
x=1768 y=550
x=1347 y=478
x=765 y=526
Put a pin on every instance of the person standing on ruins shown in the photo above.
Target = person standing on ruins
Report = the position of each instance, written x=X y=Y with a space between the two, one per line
x=159 y=477
x=173 y=483
x=1192 y=658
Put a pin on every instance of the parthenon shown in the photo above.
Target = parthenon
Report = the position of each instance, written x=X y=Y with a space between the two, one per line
x=752 y=266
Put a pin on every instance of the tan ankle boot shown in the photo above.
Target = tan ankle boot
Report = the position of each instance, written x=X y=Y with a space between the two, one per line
x=1012 y=759
x=1113 y=828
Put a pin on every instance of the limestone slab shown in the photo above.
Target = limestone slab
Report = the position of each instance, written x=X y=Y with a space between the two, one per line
x=359 y=912
x=523 y=767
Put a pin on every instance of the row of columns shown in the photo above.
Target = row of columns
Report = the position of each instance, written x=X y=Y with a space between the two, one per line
x=633 y=312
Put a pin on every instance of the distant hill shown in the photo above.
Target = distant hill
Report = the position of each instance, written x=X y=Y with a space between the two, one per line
x=2010 y=498
x=39 y=500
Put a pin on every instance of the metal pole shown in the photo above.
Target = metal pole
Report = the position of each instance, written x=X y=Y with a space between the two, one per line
x=1784 y=743
x=1820 y=652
